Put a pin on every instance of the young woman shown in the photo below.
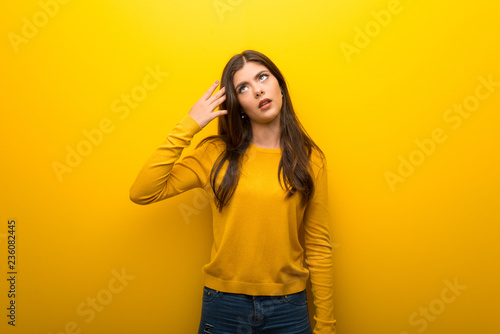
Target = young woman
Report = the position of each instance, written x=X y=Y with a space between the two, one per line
x=267 y=184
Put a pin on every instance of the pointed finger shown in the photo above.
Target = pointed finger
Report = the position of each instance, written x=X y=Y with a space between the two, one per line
x=217 y=99
x=211 y=90
x=217 y=95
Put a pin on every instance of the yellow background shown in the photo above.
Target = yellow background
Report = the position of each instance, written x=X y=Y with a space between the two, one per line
x=396 y=248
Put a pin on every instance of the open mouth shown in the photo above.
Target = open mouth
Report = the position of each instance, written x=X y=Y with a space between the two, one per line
x=264 y=103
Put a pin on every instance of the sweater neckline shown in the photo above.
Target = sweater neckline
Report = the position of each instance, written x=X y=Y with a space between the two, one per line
x=265 y=150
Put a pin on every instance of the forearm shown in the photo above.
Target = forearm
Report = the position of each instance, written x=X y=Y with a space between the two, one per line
x=151 y=184
x=320 y=265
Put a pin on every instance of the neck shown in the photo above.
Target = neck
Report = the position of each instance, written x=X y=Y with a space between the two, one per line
x=267 y=135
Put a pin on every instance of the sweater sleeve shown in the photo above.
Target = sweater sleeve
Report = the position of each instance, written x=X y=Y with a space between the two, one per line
x=163 y=176
x=318 y=250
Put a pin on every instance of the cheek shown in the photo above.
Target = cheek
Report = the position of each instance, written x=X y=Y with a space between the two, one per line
x=280 y=104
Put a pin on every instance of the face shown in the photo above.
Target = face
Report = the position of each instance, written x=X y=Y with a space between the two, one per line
x=258 y=92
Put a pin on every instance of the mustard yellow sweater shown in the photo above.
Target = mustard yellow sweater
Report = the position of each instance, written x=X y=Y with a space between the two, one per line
x=257 y=248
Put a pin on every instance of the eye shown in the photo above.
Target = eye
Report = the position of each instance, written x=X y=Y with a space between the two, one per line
x=262 y=77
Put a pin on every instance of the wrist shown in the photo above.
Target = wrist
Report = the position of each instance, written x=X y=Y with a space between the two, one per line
x=190 y=124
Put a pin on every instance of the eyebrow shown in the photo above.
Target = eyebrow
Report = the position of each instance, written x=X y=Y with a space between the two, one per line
x=245 y=82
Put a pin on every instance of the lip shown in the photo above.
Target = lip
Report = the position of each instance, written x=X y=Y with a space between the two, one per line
x=263 y=101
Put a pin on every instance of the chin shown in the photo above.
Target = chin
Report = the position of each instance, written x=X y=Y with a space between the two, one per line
x=267 y=118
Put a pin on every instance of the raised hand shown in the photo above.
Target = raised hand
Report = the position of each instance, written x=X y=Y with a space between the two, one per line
x=203 y=110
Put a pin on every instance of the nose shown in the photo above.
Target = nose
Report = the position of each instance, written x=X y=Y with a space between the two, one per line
x=259 y=92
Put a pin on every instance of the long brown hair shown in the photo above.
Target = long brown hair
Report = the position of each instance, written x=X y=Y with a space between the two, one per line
x=236 y=133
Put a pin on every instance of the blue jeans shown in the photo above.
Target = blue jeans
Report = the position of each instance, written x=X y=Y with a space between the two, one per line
x=229 y=313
